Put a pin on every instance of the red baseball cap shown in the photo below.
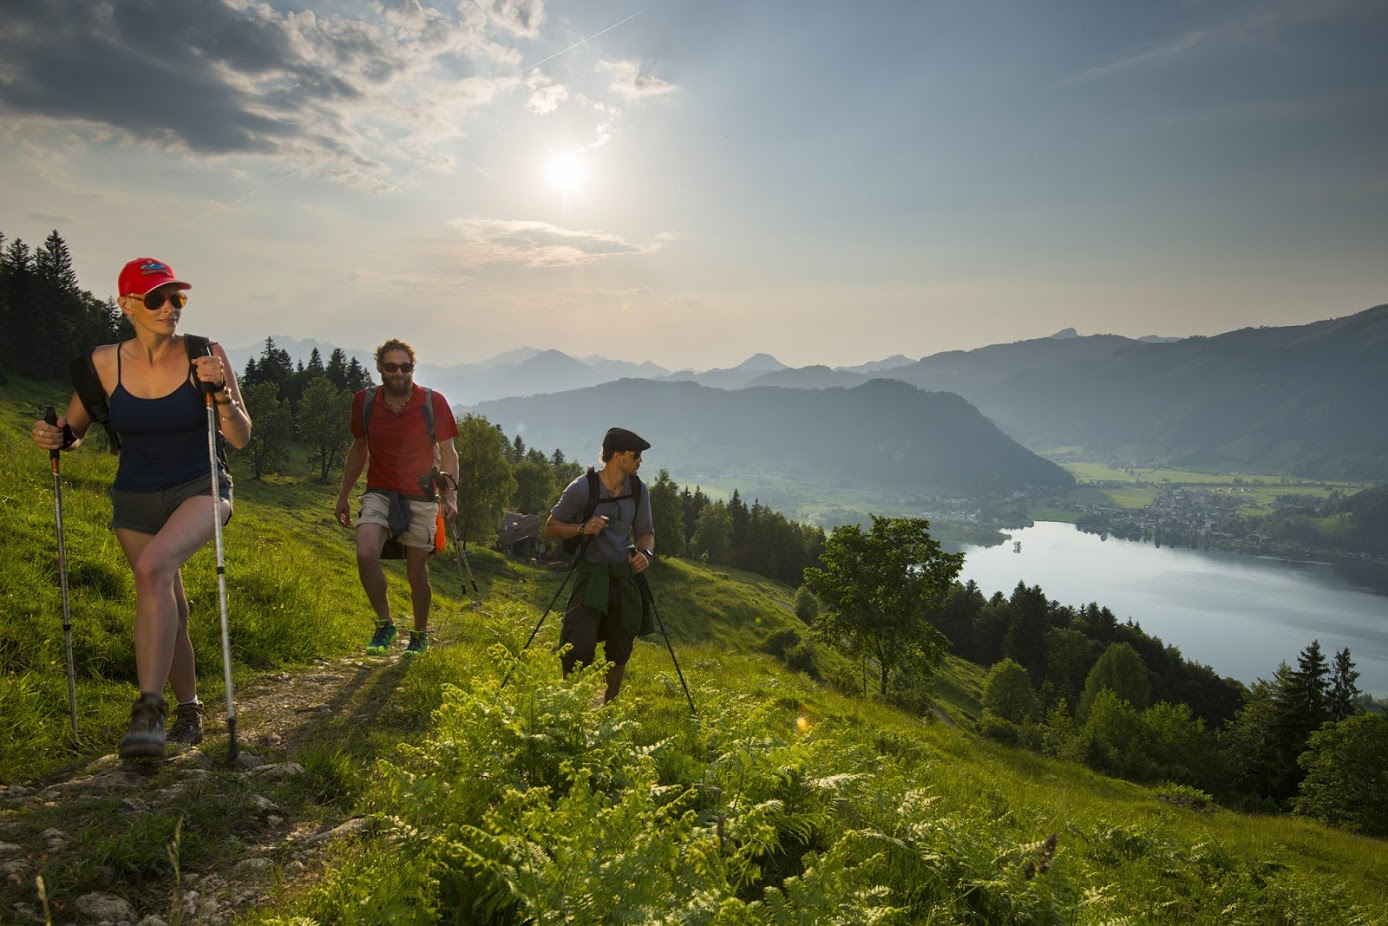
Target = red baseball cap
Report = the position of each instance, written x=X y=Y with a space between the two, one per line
x=145 y=274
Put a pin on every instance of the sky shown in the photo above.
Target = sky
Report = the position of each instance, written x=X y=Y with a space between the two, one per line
x=694 y=181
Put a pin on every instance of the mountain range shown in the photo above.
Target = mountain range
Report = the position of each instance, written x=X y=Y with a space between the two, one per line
x=884 y=435
x=1302 y=400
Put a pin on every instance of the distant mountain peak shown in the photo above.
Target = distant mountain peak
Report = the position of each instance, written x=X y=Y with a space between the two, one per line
x=761 y=362
x=1064 y=334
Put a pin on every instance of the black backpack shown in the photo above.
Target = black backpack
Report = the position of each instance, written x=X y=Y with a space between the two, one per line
x=571 y=544
x=87 y=384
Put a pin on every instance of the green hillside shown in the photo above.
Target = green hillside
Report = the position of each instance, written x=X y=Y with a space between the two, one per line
x=883 y=434
x=786 y=799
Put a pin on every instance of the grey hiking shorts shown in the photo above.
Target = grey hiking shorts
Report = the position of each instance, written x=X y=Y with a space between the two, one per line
x=148 y=512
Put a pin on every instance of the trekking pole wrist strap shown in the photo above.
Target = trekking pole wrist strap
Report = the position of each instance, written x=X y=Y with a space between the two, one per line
x=69 y=437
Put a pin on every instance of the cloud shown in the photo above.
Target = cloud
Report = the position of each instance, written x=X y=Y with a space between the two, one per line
x=345 y=97
x=545 y=96
x=539 y=244
x=521 y=17
x=631 y=81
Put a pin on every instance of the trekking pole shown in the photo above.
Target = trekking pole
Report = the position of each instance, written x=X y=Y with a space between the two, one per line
x=460 y=541
x=51 y=417
x=221 y=564
x=647 y=596
x=574 y=565
x=437 y=484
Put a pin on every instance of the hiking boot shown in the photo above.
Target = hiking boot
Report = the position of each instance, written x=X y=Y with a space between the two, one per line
x=145 y=738
x=186 y=729
x=419 y=643
x=381 y=639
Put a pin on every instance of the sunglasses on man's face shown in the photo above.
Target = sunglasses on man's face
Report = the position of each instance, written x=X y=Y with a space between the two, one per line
x=155 y=301
x=397 y=367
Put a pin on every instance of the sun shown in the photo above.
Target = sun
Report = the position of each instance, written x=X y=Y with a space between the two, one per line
x=567 y=172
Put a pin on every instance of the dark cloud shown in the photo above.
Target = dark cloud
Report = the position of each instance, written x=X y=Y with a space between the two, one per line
x=204 y=76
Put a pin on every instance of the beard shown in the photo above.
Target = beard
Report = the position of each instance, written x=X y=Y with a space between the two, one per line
x=398 y=390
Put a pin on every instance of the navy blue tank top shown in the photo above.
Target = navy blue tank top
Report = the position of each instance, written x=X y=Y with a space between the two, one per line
x=163 y=441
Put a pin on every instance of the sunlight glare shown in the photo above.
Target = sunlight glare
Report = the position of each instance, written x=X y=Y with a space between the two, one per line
x=567 y=172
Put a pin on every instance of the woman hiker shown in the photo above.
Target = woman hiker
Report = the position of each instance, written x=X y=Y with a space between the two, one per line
x=161 y=499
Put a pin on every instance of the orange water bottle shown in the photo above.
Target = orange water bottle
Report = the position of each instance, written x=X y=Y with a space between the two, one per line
x=440 y=538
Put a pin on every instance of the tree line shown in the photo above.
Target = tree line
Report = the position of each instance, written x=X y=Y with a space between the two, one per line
x=308 y=404
x=46 y=318
x=498 y=474
x=1079 y=685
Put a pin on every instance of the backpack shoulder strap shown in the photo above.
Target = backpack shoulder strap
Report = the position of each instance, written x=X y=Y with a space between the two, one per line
x=636 y=494
x=592 y=504
x=368 y=401
x=87 y=384
x=197 y=346
x=429 y=413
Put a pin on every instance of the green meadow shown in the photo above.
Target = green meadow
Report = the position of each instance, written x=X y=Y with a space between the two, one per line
x=1137 y=487
x=788 y=797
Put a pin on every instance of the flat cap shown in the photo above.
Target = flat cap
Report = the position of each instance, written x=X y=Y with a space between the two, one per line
x=620 y=439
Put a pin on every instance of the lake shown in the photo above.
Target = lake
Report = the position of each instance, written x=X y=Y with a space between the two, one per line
x=1240 y=615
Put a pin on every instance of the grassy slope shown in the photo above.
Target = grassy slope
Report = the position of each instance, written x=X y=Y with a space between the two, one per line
x=294 y=597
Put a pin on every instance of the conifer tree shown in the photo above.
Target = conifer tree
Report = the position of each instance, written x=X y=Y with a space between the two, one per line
x=666 y=515
x=358 y=376
x=1343 y=690
x=336 y=369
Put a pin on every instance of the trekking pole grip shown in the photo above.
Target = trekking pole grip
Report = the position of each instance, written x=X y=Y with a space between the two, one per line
x=51 y=417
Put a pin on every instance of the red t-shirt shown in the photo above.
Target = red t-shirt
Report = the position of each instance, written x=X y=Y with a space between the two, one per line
x=398 y=446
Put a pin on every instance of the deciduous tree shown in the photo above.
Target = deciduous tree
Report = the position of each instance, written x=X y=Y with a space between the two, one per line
x=1120 y=670
x=485 y=482
x=324 y=424
x=1346 y=783
x=273 y=428
x=1007 y=693
x=879 y=588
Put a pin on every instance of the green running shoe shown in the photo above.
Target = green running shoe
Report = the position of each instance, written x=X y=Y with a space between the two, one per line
x=381 y=639
x=419 y=643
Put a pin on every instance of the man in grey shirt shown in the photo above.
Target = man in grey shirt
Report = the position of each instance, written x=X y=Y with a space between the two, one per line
x=606 y=603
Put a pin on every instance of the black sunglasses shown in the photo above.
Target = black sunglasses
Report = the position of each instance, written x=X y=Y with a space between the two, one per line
x=155 y=301
x=397 y=367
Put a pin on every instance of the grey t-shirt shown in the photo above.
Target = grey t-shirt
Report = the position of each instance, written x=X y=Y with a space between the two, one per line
x=611 y=544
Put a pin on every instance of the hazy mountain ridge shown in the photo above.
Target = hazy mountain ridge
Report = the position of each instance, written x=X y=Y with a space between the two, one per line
x=1299 y=399
x=883 y=433
x=1304 y=399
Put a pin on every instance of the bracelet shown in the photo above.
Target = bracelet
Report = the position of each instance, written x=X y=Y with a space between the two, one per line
x=227 y=401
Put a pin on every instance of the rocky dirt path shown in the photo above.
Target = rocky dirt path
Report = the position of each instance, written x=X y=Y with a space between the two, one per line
x=277 y=714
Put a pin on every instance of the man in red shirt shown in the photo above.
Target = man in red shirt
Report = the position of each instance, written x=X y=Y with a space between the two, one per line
x=397 y=443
